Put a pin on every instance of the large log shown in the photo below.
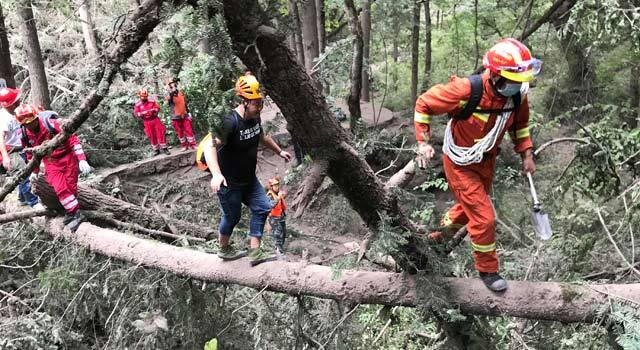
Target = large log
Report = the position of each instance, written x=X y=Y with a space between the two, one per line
x=154 y=165
x=534 y=300
x=95 y=200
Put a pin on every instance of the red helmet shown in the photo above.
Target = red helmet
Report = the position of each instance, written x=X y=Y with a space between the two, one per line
x=143 y=93
x=9 y=97
x=25 y=114
x=512 y=59
x=274 y=181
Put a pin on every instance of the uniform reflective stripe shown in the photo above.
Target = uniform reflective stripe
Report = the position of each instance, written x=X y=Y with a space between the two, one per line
x=521 y=133
x=79 y=152
x=462 y=103
x=71 y=204
x=77 y=146
x=67 y=199
x=481 y=117
x=483 y=248
x=421 y=118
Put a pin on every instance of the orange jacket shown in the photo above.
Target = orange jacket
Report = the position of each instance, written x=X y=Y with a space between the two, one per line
x=451 y=98
x=280 y=208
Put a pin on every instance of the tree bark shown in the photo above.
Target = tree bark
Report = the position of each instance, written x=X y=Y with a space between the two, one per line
x=562 y=302
x=94 y=200
x=322 y=32
x=88 y=28
x=6 y=68
x=310 y=34
x=297 y=29
x=133 y=33
x=37 y=75
x=427 y=45
x=415 y=47
x=309 y=118
x=355 y=72
x=580 y=76
x=634 y=96
x=309 y=187
x=366 y=48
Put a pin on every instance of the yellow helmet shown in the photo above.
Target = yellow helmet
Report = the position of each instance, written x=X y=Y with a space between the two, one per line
x=247 y=86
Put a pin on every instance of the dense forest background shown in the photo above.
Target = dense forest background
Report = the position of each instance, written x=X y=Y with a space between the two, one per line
x=351 y=73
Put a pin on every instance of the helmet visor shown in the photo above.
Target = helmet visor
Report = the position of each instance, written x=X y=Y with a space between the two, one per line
x=534 y=65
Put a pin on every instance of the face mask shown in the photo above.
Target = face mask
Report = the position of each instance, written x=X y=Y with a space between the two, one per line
x=509 y=89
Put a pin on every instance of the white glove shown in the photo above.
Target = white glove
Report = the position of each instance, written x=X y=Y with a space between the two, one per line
x=6 y=163
x=85 y=168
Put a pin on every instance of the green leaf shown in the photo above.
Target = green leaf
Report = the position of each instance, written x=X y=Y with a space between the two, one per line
x=211 y=344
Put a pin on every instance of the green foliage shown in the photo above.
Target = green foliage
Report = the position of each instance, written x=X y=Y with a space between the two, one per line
x=626 y=325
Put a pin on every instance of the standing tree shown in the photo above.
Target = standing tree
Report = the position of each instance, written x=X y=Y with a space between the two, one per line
x=310 y=34
x=355 y=74
x=634 y=96
x=37 y=75
x=322 y=32
x=6 y=70
x=415 y=46
x=427 y=44
x=294 y=14
x=366 y=48
x=88 y=28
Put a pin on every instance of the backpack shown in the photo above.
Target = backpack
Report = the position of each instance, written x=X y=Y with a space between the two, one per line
x=477 y=89
x=46 y=117
x=201 y=161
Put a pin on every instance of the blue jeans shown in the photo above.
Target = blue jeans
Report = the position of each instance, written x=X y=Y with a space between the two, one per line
x=24 y=190
x=254 y=197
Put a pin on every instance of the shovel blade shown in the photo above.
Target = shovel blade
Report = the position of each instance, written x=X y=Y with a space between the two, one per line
x=541 y=224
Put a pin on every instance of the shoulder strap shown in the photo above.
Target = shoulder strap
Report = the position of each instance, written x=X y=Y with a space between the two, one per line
x=477 y=89
x=25 y=138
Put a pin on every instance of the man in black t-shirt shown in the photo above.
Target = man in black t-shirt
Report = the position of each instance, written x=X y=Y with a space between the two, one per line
x=233 y=171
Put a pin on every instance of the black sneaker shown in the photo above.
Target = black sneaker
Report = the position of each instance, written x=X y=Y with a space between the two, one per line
x=493 y=281
x=166 y=151
x=156 y=152
x=77 y=219
x=67 y=218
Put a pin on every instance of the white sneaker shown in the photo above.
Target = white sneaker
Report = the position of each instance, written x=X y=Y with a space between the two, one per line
x=38 y=206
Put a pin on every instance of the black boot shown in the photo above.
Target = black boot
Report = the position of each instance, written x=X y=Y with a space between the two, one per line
x=156 y=152
x=166 y=151
x=67 y=218
x=77 y=219
x=493 y=281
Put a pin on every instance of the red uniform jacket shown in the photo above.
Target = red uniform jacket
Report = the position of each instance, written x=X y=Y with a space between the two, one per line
x=451 y=98
x=146 y=110
x=36 y=139
x=280 y=208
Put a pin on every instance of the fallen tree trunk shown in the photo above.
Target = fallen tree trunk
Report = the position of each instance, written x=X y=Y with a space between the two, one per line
x=149 y=166
x=27 y=214
x=95 y=200
x=535 y=300
x=309 y=187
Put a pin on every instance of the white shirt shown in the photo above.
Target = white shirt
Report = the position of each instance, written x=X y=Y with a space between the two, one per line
x=11 y=129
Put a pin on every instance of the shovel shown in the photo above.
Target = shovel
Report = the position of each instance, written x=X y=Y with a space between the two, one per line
x=539 y=217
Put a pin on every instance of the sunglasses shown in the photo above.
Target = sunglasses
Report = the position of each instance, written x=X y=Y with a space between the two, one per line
x=532 y=64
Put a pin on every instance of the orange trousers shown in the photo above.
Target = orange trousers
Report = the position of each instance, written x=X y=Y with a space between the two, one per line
x=470 y=186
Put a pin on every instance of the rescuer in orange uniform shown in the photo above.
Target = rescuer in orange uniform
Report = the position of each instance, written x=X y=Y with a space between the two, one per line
x=471 y=145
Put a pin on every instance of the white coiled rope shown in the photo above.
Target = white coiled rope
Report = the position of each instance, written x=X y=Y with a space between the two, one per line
x=470 y=155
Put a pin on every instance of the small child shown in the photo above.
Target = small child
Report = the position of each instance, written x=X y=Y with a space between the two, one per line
x=278 y=214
